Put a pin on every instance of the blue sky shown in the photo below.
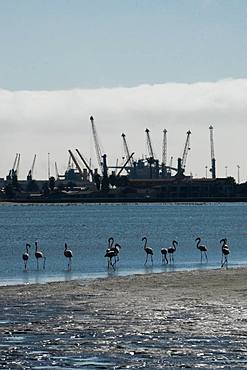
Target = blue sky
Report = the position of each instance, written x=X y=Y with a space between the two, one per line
x=132 y=64
x=62 y=44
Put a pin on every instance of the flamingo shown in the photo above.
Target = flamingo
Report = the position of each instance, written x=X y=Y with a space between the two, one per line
x=110 y=253
x=68 y=254
x=148 y=250
x=171 y=250
x=202 y=248
x=164 y=252
x=225 y=252
x=39 y=255
x=25 y=255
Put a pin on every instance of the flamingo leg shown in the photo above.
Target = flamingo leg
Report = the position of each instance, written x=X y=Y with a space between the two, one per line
x=69 y=264
x=206 y=256
x=225 y=262
x=146 y=259
x=112 y=264
x=44 y=263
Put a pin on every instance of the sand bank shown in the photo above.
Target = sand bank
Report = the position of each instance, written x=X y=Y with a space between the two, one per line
x=176 y=319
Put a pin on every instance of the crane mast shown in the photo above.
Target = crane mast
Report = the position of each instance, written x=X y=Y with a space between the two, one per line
x=96 y=144
x=164 y=148
x=213 y=161
x=56 y=171
x=186 y=150
x=149 y=144
x=30 y=172
x=126 y=149
x=15 y=161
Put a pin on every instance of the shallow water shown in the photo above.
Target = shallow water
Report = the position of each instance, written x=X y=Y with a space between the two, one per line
x=87 y=227
x=153 y=328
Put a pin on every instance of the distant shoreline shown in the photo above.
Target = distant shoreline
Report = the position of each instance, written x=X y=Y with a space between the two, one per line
x=97 y=200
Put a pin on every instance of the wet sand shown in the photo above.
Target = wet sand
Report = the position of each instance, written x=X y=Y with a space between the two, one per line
x=174 y=320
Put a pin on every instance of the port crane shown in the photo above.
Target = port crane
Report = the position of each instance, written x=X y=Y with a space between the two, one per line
x=30 y=172
x=213 y=161
x=182 y=161
x=149 y=145
x=164 y=148
x=164 y=154
x=97 y=145
x=186 y=150
x=13 y=173
x=126 y=150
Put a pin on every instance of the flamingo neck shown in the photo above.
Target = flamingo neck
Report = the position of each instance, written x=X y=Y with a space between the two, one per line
x=110 y=242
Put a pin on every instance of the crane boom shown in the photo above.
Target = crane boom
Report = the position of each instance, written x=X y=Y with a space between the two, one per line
x=15 y=161
x=75 y=162
x=125 y=164
x=126 y=149
x=85 y=163
x=186 y=150
x=30 y=172
x=34 y=159
x=211 y=141
x=96 y=144
x=18 y=164
x=213 y=161
x=149 y=144
x=164 y=148
x=56 y=171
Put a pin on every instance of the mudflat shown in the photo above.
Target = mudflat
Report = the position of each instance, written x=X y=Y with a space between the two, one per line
x=171 y=319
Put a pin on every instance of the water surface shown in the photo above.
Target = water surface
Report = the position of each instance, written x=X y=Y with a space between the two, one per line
x=87 y=227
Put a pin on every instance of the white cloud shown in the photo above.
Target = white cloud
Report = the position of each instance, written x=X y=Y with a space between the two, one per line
x=55 y=121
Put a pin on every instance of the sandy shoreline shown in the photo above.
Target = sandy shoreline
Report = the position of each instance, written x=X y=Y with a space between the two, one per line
x=178 y=319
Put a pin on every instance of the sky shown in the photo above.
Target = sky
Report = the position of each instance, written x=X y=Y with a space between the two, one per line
x=132 y=64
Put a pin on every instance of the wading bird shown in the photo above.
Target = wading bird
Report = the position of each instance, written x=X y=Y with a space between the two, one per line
x=68 y=254
x=148 y=250
x=39 y=255
x=112 y=251
x=110 y=254
x=25 y=255
x=164 y=252
x=201 y=248
x=225 y=252
x=172 y=250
